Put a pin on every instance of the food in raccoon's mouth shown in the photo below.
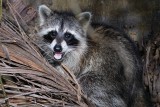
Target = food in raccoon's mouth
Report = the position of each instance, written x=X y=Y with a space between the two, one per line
x=58 y=55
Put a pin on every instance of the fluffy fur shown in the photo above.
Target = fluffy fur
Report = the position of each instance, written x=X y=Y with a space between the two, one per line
x=104 y=61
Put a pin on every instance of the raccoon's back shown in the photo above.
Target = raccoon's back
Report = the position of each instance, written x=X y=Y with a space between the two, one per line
x=112 y=68
x=109 y=36
x=112 y=42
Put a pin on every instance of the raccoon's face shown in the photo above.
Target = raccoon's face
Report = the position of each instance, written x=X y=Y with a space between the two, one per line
x=63 y=33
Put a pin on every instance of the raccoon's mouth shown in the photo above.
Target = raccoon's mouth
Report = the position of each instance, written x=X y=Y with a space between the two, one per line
x=58 y=56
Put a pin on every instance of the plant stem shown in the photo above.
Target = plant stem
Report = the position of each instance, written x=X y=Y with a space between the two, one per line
x=3 y=90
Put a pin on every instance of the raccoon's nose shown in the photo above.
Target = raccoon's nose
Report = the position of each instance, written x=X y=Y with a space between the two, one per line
x=58 y=48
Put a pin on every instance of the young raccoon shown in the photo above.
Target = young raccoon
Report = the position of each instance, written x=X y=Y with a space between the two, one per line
x=104 y=60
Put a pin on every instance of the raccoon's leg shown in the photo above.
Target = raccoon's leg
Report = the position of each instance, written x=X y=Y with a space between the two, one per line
x=101 y=92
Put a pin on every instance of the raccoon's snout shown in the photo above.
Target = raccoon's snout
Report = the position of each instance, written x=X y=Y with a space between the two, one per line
x=58 y=48
x=58 y=54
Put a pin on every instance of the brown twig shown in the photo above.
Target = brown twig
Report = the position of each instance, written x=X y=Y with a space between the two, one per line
x=3 y=90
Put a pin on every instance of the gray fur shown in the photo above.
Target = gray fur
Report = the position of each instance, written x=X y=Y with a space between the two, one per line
x=104 y=62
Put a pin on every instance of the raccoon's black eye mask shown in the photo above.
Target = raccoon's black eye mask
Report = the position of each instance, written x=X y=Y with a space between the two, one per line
x=50 y=36
x=68 y=36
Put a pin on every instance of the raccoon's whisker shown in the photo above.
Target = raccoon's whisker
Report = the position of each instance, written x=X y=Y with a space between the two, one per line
x=42 y=45
x=47 y=53
x=79 y=47
x=50 y=60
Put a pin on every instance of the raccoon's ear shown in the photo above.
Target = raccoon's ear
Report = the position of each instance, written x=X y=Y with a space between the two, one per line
x=84 y=19
x=43 y=12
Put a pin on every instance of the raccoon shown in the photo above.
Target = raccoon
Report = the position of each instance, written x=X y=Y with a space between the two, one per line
x=104 y=59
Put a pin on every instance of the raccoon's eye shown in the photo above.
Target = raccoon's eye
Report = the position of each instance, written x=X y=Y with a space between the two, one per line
x=50 y=36
x=53 y=34
x=68 y=36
